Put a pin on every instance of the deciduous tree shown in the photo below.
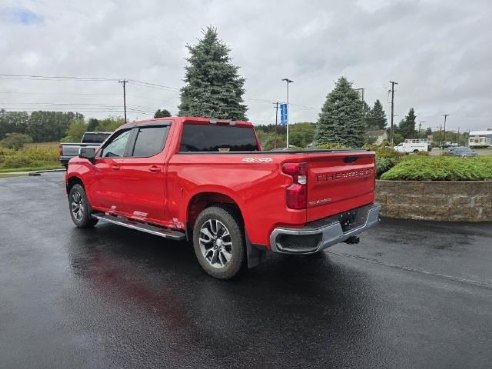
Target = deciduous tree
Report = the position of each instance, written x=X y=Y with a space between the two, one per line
x=164 y=113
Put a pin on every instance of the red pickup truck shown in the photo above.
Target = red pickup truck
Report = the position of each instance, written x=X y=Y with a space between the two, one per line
x=207 y=181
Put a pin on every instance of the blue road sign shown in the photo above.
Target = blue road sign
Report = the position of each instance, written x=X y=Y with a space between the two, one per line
x=283 y=114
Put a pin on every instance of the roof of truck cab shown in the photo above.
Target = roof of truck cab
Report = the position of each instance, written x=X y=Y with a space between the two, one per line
x=199 y=120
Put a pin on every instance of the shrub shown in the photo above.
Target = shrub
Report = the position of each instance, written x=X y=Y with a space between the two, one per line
x=441 y=168
x=15 y=141
x=386 y=157
x=331 y=146
x=29 y=157
x=384 y=164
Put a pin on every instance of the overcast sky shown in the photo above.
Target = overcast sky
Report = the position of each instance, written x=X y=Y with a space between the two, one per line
x=439 y=52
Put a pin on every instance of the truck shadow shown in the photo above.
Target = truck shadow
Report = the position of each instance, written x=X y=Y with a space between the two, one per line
x=288 y=308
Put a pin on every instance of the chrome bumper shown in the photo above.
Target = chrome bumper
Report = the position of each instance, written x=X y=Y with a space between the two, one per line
x=321 y=234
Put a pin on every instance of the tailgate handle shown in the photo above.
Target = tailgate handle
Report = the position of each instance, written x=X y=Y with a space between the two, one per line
x=350 y=159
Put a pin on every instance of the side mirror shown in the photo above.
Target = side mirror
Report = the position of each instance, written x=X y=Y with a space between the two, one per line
x=88 y=153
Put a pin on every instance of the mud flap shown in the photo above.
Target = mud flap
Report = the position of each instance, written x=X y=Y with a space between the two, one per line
x=254 y=254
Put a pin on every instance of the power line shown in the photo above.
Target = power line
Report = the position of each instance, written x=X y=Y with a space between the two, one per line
x=148 y=84
x=58 y=93
x=56 y=78
x=83 y=79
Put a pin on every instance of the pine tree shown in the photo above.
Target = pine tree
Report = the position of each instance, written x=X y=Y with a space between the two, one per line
x=213 y=87
x=376 y=118
x=406 y=127
x=341 y=120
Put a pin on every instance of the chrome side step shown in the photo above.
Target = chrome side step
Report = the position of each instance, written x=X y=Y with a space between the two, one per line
x=144 y=227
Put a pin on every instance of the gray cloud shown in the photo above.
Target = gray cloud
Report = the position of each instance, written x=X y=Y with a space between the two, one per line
x=438 y=51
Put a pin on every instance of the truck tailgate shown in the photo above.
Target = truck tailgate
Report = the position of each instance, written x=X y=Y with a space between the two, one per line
x=338 y=182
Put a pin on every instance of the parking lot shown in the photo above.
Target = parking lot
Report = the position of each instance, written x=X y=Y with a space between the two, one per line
x=410 y=295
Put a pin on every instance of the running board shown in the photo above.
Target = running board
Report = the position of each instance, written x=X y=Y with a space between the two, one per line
x=144 y=227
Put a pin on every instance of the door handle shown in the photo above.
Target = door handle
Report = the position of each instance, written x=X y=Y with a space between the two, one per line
x=154 y=169
x=115 y=167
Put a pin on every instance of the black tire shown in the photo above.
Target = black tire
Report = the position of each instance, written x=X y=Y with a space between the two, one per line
x=218 y=241
x=79 y=208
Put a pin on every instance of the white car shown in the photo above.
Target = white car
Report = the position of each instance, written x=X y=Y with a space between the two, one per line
x=414 y=146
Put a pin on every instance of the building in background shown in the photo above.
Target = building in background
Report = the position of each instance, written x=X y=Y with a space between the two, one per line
x=480 y=139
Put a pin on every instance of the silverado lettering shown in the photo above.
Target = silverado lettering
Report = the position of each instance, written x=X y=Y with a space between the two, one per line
x=343 y=175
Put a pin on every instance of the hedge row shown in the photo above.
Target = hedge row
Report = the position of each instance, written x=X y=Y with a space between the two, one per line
x=441 y=168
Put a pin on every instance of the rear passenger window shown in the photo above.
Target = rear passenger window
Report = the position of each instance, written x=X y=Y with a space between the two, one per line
x=150 y=141
x=211 y=137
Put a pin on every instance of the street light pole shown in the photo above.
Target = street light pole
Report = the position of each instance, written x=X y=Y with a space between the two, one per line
x=392 y=111
x=362 y=92
x=287 y=81
x=276 y=123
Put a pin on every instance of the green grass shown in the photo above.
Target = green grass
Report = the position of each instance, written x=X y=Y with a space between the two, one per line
x=7 y=175
x=441 y=168
x=31 y=169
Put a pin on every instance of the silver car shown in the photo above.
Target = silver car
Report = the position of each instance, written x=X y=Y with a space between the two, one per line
x=462 y=151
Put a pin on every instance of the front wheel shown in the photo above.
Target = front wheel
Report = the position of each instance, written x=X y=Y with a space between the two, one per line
x=218 y=242
x=79 y=207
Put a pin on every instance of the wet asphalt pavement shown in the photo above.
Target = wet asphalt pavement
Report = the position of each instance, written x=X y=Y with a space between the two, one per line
x=410 y=295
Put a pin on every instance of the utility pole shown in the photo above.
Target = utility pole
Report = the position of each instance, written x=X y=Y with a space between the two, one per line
x=420 y=127
x=445 y=116
x=124 y=82
x=287 y=81
x=392 y=110
x=362 y=92
x=276 y=123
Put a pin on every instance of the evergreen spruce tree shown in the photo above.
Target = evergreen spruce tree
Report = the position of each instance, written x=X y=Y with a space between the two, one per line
x=376 y=118
x=213 y=87
x=341 y=120
x=406 y=127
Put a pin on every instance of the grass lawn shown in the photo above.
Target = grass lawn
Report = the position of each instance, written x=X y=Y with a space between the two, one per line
x=7 y=175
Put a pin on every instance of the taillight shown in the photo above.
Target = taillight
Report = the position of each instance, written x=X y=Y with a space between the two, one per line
x=61 y=149
x=296 y=194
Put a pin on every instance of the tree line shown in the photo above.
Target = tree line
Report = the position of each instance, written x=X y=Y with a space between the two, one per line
x=18 y=128
x=41 y=126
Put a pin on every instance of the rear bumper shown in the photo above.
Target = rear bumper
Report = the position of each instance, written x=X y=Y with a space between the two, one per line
x=323 y=233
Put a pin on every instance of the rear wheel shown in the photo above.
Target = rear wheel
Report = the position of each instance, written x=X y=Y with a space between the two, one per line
x=218 y=242
x=79 y=207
